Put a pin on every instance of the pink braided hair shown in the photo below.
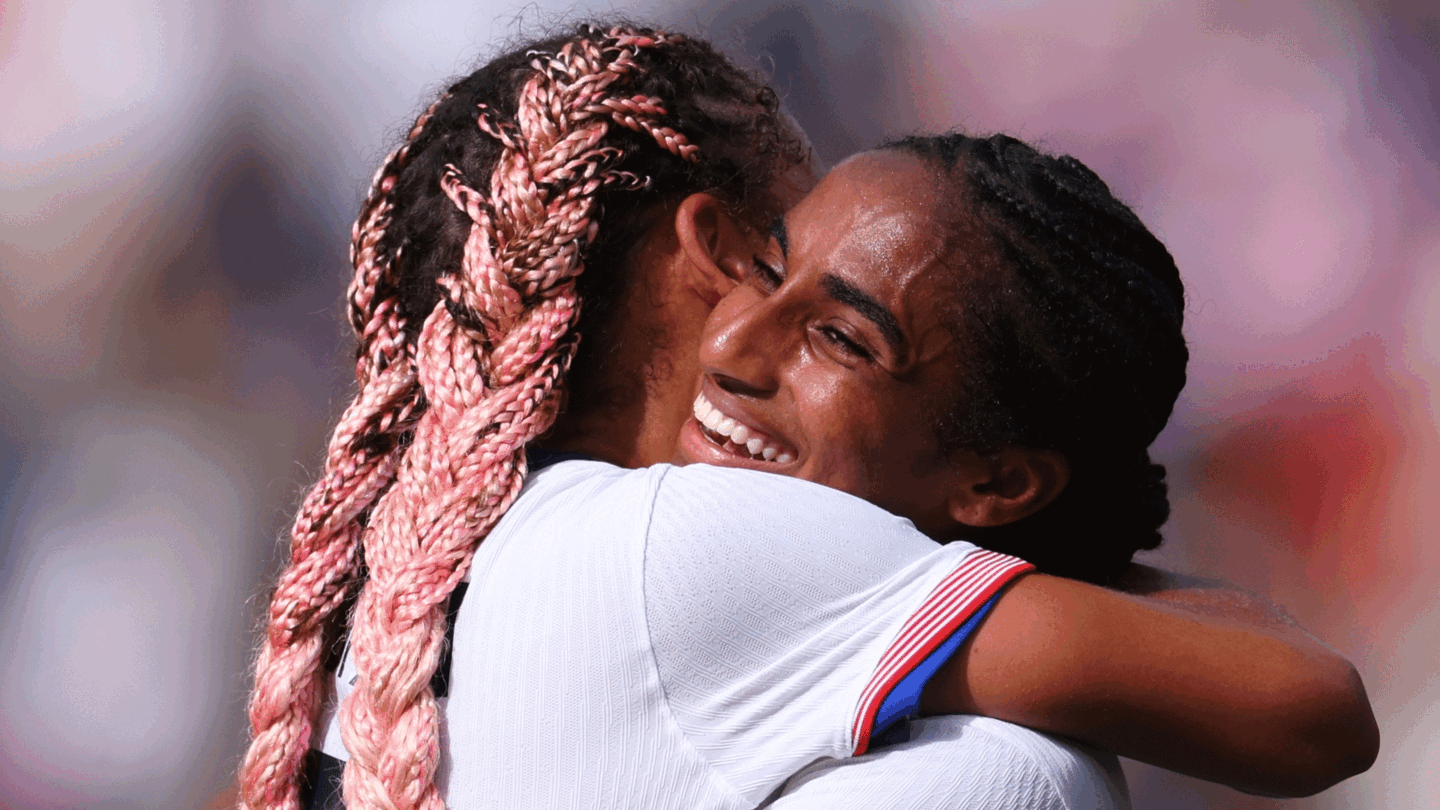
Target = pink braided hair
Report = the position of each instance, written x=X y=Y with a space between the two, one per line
x=472 y=392
x=325 y=535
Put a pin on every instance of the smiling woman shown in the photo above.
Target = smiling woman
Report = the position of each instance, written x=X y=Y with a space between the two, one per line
x=840 y=345
x=964 y=316
x=979 y=337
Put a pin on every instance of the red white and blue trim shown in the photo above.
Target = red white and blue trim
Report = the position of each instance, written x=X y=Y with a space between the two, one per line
x=929 y=638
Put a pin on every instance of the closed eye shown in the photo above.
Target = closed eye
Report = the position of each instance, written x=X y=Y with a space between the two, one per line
x=844 y=343
x=769 y=278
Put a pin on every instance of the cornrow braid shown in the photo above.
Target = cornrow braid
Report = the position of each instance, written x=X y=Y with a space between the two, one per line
x=466 y=301
x=1073 y=344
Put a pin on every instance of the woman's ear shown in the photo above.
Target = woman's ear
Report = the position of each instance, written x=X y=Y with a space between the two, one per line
x=715 y=248
x=1005 y=486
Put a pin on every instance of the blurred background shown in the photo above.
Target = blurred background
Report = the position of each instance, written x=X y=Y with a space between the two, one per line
x=176 y=187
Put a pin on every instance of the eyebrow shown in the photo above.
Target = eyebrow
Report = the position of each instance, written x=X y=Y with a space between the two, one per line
x=782 y=237
x=850 y=295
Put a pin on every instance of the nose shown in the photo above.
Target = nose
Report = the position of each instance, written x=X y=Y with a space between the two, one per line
x=745 y=343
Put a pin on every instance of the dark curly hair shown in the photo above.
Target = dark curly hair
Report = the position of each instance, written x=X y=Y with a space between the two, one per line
x=1073 y=344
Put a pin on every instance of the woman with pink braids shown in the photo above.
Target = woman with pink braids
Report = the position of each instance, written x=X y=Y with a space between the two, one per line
x=466 y=295
x=578 y=153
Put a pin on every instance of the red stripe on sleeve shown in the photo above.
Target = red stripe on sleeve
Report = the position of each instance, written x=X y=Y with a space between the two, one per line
x=962 y=592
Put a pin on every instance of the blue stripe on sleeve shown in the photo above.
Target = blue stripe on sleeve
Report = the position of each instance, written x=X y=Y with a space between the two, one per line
x=903 y=703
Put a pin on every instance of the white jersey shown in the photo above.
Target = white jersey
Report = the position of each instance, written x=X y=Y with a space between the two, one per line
x=963 y=762
x=691 y=637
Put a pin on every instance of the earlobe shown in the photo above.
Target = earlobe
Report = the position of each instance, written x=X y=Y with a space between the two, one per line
x=714 y=246
x=1008 y=485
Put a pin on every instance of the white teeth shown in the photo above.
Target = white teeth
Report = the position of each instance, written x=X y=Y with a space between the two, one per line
x=717 y=422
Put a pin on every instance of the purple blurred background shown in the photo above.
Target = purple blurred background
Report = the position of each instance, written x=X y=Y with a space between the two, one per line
x=176 y=187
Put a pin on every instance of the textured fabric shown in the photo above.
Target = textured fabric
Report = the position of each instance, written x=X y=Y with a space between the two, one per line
x=684 y=637
x=782 y=612
x=962 y=763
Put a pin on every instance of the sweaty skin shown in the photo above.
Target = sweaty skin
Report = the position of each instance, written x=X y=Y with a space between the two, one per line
x=837 y=347
x=815 y=369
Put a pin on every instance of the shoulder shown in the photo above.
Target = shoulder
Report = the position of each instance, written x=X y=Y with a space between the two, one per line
x=961 y=761
x=567 y=501
x=772 y=512
x=577 y=487
x=744 y=494
x=770 y=603
x=760 y=488
x=1077 y=778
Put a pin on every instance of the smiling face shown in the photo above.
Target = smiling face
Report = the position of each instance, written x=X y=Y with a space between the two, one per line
x=833 y=361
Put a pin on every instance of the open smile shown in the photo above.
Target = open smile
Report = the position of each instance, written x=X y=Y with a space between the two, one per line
x=736 y=437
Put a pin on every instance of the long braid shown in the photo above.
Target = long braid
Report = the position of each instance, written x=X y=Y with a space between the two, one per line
x=360 y=463
x=464 y=299
x=489 y=378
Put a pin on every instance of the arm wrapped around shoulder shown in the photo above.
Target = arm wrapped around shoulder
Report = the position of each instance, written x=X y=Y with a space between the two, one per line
x=1266 y=711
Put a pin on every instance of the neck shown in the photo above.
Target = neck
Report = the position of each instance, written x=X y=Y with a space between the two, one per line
x=635 y=420
x=636 y=435
x=649 y=345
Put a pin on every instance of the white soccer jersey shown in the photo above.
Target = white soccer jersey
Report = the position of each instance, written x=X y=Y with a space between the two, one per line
x=963 y=762
x=691 y=637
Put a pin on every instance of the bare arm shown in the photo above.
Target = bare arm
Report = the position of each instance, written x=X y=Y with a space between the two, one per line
x=1221 y=600
x=1216 y=685
x=1209 y=597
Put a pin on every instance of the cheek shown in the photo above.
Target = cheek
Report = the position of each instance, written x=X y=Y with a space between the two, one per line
x=855 y=444
x=900 y=443
x=828 y=402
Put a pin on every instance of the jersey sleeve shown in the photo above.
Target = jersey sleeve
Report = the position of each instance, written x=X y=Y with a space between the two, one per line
x=790 y=621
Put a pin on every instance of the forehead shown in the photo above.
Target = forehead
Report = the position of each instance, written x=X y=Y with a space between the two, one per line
x=873 y=222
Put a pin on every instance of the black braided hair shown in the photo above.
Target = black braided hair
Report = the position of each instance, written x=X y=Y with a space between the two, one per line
x=1073 y=343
